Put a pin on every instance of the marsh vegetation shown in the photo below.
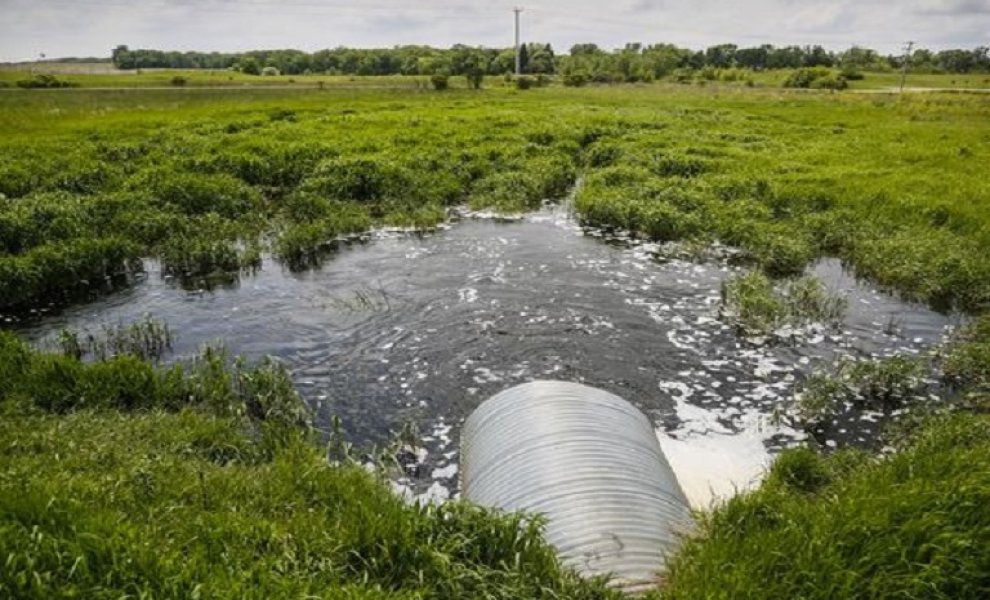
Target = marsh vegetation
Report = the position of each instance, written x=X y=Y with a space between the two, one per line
x=214 y=461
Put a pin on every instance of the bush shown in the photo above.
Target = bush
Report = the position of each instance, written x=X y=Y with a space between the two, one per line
x=815 y=77
x=440 y=82
x=270 y=72
x=524 y=82
x=179 y=81
x=830 y=83
x=475 y=78
x=578 y=79
x=45 y=81
x=685 y=76
x=850 y=73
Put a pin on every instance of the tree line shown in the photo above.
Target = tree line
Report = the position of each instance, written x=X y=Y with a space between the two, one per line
x=633 y=62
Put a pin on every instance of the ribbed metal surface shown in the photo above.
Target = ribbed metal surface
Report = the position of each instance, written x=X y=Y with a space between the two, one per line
x=591 y=463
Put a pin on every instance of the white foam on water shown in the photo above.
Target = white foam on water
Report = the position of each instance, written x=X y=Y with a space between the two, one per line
x=713 y=461
x=447 y=472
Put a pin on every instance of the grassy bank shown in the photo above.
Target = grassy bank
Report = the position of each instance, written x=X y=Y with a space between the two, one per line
x=913 y=525
x=118 y=479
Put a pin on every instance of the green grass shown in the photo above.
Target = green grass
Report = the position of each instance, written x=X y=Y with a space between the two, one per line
x=118 y=479
x=104 y=76
x=911 y=525
x=757 y=307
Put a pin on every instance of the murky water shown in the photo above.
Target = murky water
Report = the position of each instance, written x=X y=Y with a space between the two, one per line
x=424 y=328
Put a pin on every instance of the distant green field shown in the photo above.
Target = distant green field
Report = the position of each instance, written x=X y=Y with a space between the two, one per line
x=205 y=78
x=103 y=75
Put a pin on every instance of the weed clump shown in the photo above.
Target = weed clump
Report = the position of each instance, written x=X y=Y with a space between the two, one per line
x=58 y=271
x=148 y=339
x=197 y=194
x=509 y=192
x=967 y=363
x=758 y=307
x=816 y=77
x=45 y=81
x=880 y=385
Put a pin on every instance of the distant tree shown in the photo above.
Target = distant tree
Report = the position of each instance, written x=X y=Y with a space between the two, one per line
x=633 y=61
x=524 y=58
x=440 y=82
x=119 y=55
x=585 y=50
x=788 y=57
x=474 y=66
x=504 y=62
x=662 y=59
x=963 y=61
x=721 y=56
x=863 y=58
x=756 y=59
x=540 y=59
x=250 y=66
x=816 y=56
x=922 y=59
x=696 y=60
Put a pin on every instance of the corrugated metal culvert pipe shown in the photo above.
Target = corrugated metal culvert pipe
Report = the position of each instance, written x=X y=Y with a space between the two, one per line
x=591 y=463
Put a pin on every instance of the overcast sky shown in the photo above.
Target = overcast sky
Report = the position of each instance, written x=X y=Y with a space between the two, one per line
x=92 y=27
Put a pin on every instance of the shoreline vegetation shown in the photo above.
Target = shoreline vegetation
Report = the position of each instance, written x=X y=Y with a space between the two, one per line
x=120 y=477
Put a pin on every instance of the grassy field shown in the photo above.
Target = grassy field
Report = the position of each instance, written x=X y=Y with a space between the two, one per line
x=118 y=477
x=103 y=75
x=890 y=184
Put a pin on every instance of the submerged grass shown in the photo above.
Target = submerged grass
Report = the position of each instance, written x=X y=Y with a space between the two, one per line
x=758 y=306
x=147 y=339
x=877 y=385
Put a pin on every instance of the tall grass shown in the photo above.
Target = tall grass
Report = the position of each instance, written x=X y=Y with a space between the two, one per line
x=758 y=306
x=118 y=479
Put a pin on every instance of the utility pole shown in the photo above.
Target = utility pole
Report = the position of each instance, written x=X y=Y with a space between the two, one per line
x=904 y=67
x=518 y=10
